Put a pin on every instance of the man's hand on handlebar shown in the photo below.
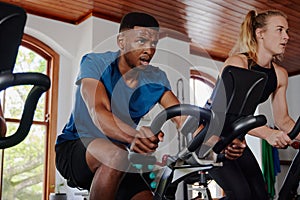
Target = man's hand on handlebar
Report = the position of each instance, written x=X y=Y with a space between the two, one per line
x=235 y=149
x=145 y=141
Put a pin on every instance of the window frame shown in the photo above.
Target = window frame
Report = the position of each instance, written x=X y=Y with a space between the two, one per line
x=51 y=105
x=202 y=76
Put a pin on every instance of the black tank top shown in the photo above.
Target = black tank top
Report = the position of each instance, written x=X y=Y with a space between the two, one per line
x=271 y=75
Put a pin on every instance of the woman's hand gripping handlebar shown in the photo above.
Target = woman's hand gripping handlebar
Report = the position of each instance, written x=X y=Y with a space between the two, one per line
x=293 y=134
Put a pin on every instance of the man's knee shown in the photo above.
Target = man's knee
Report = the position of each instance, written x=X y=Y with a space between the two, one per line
x=102 y=152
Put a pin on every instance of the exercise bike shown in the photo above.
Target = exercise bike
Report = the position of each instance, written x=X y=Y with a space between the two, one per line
x=234 y=101
x=12 y=22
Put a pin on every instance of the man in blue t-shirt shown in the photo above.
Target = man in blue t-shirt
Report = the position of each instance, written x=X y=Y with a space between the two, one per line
x=114 y=91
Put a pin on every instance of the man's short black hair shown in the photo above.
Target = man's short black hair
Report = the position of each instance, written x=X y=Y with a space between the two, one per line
x=132 y=19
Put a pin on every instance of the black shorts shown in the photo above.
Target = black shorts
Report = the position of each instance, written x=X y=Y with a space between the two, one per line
x=72 y=165
x=71 y=162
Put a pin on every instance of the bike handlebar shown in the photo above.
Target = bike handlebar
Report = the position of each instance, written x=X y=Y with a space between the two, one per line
x=179 y=110
x=41 y=83
x=291 y=180
x=161 y=118
x=238 y=128
x=296 y=129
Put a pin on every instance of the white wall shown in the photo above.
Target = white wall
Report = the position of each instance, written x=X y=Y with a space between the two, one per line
x=293 y=96
x=72 y=41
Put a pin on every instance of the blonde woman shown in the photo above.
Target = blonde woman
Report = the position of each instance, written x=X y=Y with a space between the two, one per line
x=262 y=42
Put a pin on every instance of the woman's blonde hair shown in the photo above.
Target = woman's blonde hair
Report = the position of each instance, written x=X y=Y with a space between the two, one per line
x=247 y=41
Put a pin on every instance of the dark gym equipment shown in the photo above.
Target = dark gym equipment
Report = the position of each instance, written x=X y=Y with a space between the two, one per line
x=229 y=116
x=12 y=22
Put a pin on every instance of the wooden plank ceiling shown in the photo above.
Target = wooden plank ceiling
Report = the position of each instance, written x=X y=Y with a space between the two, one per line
x=210 y=25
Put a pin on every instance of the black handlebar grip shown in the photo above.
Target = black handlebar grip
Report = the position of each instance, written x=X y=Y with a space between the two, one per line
x=239 y=128
x=198 y=140
x=41 y=84
x=161 y=118
x=179 y=110
x=295 y=131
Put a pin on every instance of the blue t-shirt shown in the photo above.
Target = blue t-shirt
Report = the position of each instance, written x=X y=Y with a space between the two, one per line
x=128 y=104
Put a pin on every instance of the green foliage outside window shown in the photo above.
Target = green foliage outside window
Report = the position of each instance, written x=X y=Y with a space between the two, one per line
x=23 y=164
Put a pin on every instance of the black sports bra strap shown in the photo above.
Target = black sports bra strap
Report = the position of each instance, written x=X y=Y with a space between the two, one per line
x=249 y=61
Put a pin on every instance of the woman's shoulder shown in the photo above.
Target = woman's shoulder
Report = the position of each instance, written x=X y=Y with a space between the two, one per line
x=237 y=60
x=281 y=73
x=279 y=68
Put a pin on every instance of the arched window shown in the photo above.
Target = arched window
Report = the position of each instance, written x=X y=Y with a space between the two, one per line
x=201 y=86
x=28 y=169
